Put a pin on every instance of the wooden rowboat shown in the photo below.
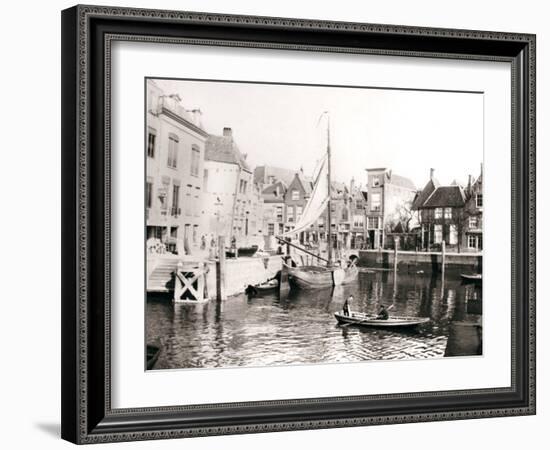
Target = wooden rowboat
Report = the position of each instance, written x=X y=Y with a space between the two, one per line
x=369 y=320
x=476 y=277
x=268 y=286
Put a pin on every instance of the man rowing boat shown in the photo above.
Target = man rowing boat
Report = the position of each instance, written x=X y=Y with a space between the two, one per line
x=383 y=313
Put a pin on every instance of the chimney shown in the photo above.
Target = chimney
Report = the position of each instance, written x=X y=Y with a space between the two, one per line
x=228 y=132
x=352 y=185
x=432 y=172
x=469 y=188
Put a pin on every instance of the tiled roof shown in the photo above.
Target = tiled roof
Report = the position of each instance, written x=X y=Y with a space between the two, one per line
x=224 y=149
x=263 y=173
x=423 y=195
x=446 y=196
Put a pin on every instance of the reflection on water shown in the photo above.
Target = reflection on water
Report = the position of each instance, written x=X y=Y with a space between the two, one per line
x=266 y=331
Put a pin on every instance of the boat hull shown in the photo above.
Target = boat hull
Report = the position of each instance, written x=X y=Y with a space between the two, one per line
x=366 y=320
x=243 y=251
x=316 y=277
x=471 y=278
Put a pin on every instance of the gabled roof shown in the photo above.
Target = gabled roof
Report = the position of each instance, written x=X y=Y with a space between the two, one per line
x=263 y=173
x=446 y=196
x=423 y=195
x=224 y=149
x=306 y=182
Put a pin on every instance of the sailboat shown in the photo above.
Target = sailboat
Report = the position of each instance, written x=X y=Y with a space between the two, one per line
x=330 y=274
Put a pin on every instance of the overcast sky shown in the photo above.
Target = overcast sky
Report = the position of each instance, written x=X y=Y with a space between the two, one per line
x=407 y=131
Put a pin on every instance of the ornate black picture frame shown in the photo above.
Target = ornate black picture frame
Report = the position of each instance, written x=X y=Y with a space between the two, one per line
x=87 y=35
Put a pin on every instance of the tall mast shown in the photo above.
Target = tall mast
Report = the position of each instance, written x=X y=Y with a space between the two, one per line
x=329 y=221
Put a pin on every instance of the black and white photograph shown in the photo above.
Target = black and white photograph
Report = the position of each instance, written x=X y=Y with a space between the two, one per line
x=308 y=224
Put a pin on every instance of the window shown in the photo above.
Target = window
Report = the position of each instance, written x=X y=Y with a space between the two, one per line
x=279 y=213
x=473 y=222
x=472 y=241
x=163 y=196
x=438 y=213
x=271 y=229
x=295 y=194
x=196 y=206
x=373 y=223
x=242 y=186
x=195 y=233
x=299 y=211
x=321 y=221
x=281 y=228
x=205 y=180
x=453 y=235
x=479 y=200
x=448 y=213
x=358 y=221
x=175 y=200
x=195 y=161
x=188 y=201
x=173 y=151
x=151 y=138
x=375 y=202
x=149 y=194
x=438 y=234
x=345 y=214
x=290 y=214
x=359 y=204
x=375 y=181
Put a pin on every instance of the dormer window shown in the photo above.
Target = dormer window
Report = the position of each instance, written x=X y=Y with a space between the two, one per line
x=375 y=181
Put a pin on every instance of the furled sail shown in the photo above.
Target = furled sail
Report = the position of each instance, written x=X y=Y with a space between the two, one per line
x=318 y=201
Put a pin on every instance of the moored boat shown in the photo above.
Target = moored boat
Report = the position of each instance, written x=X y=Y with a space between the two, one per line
x=315 y=277
x=268 y=286
x=242 y=251
x=476 y=277
x=371 y=320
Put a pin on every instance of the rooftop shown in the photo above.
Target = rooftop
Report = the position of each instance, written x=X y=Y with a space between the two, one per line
x=224 y=149
x=446 y=196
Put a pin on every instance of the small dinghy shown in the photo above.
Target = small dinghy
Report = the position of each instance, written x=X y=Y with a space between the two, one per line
x=471 y=278
x=263 y=288
x=370 y=320
x=267 y=286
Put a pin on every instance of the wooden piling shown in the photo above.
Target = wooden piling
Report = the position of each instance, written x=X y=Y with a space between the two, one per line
x=443 y=259
x=395 y=243
x=220 y=270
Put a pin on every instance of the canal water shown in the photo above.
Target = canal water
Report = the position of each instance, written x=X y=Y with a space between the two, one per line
x=301 y=329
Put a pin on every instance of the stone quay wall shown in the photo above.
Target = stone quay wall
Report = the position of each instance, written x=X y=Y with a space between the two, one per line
x=426 y=261
x=241 y=272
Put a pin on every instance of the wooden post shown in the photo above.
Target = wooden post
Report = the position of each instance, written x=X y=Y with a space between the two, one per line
x=220 y=270
x=443 y=259
x=395 y=243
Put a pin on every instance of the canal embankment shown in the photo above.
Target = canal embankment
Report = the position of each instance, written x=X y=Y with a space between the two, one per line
x=237 y=273
x=425 y=261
